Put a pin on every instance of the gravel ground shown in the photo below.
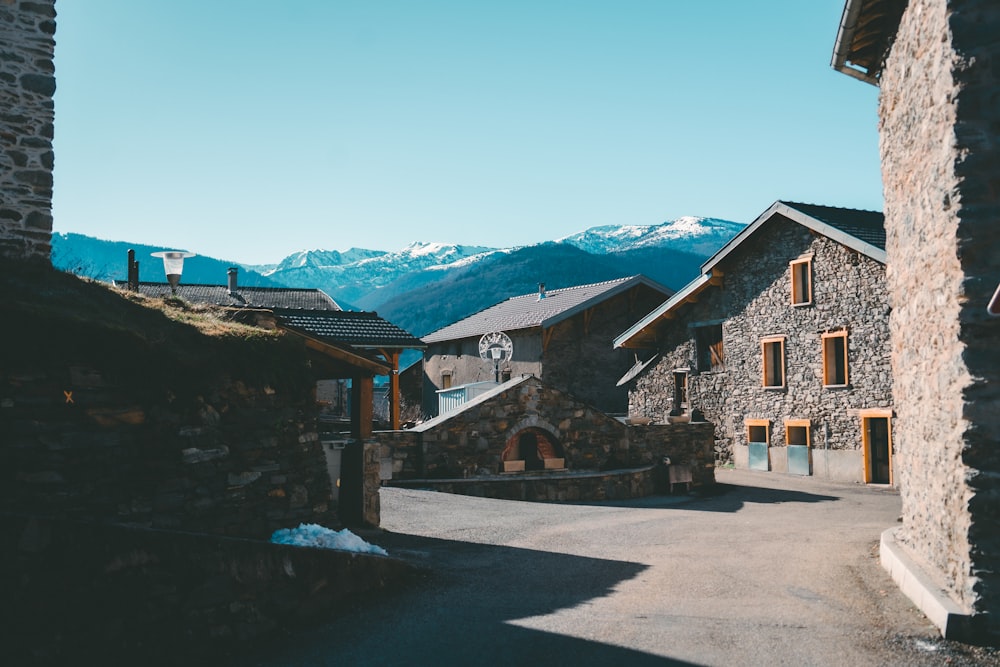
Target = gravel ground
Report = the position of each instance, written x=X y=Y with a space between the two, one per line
x=772 y=570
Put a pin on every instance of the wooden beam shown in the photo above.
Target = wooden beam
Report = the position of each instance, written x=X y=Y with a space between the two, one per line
x=362 y=407
x=356 y=360
x=546 y=337
x=393 y=358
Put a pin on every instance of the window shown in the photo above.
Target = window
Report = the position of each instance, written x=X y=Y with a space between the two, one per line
x=680 y=405
x=446 y=380
x=802 y=282
x=797 y=432
x=708 y=347
x=835 y=359
x=758 y=430
x=774 y=361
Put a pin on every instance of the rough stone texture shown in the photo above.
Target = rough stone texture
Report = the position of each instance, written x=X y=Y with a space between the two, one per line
x=240 y=460
x=755 y=302
x=939 y=112
x=579 y=358
x=78 y=593
x=27 y=83
x=555 y=487
x=470 y=443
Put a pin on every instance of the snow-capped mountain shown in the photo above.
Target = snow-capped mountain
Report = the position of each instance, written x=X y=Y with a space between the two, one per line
x=426 y=285
x=700 y=236
x=351 y=275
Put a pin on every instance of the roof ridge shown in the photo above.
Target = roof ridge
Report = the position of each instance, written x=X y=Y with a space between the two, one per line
x=793 y=204
x=576 y=287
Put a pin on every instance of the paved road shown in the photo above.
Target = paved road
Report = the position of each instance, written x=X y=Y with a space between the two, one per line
x=774 y=570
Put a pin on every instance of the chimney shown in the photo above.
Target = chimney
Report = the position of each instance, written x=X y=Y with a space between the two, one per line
x=133 y=272
x=233 y=273
x=541 y=291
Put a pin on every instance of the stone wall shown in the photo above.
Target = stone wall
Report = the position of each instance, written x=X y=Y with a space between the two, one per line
x=938 y=113
x=109 y=410
x=469 y=444
x=470 y=441
x=78 y=593
x=848 y=292
x=553 y=487
x=237 y=460
x=581 y=359
x=27 y=83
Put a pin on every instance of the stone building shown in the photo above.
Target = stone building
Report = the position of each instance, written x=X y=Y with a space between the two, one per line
x=27 y=83
x=782 y=343
x=937 y=64
x=563 y=336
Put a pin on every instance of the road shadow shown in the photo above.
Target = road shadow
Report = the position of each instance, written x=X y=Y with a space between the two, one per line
x=461 y=610
x=718 y=498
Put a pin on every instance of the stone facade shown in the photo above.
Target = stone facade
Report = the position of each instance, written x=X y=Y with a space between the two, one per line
x=27 y=83
x=754 y=304
x=578 y=356
x=939 y=110
x=472 y=442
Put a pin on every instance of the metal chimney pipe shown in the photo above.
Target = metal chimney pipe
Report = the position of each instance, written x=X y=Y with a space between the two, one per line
x=233 y=273
x=541 y=291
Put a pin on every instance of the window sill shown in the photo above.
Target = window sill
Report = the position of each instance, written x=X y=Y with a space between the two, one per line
x=802 y=305
x=775 y=387
x=836 y=386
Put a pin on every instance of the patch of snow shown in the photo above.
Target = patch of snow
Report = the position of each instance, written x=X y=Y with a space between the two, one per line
x=314 y=535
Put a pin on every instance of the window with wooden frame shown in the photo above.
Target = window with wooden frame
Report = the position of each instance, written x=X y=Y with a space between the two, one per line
x=446 y=379
x=758 y=430
x=797 y=432
x=773 y=349
x=835 y=359
x=801 y=281
x=708 y=348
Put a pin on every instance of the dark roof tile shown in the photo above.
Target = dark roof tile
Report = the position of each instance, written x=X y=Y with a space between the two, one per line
x=523 y=312
x=357 y=329
x=249 y=297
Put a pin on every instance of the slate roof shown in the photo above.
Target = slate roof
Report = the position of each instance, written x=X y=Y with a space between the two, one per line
x=249 y=297
x=863 y=231
x=869 y=226
x=362 y=330
x=526 y=311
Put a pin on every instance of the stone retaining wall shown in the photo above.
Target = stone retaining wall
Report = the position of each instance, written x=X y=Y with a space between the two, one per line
x=611 y=485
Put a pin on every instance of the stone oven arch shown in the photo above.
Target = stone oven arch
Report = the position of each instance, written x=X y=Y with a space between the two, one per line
x=533 y=441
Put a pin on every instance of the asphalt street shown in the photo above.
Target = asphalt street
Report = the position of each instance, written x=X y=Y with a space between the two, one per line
x=771 y=570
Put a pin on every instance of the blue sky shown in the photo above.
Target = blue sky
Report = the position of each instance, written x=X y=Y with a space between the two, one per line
x=249 y=130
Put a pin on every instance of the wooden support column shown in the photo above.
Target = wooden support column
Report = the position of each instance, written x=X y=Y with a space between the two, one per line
x=362 y=407
x=392 y=357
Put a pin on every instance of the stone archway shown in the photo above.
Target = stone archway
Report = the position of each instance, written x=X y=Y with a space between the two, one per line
x=539 y=447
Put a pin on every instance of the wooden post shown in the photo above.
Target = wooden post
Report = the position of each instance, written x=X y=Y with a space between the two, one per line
x=393 y=359
x=362 y=407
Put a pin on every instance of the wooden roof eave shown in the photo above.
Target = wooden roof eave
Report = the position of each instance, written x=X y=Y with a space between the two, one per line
x=643 y=332
x=340 y=354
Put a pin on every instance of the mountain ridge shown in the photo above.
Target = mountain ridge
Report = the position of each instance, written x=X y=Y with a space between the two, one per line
x=422 y=285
